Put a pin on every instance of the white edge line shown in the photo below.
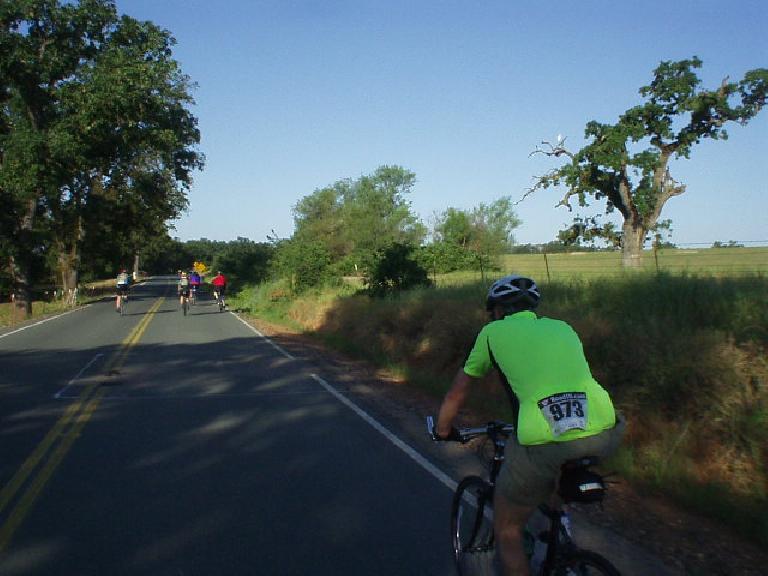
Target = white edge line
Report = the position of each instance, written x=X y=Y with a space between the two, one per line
x=260 y=335
x=78 y=375
x=411 y=452
x=43 y=321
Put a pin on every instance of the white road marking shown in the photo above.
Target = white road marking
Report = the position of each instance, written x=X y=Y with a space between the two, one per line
x=411 y=452
x=375 y=424
x=42 y=321
x=77 y=376
x=260 y=335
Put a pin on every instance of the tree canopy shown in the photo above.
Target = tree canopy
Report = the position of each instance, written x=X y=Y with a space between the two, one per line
x=97 y=144
x=354 y=221
x=475 y=237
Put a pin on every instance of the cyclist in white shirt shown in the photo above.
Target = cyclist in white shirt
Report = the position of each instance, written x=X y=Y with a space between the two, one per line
x=123 y=283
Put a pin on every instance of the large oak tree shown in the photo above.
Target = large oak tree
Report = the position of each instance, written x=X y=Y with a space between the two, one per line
x=626 y=164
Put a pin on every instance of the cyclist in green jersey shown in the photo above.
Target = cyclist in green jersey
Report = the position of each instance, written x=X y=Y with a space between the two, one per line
x=561 y=412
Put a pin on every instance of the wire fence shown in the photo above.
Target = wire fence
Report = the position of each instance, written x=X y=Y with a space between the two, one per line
x=746 y=258
x=715 y=261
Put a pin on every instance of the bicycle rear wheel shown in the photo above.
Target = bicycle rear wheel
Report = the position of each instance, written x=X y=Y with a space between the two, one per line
x=583 y=563
x=472 y=527
x=184 y=306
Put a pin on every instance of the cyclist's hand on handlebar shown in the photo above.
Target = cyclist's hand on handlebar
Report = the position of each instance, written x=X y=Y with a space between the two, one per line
x=452 y=436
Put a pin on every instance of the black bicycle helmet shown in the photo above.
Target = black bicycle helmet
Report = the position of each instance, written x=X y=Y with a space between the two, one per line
x=513 y=291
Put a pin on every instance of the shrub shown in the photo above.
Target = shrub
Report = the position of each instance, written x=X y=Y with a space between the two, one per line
x=395 y=271
x=305 y=263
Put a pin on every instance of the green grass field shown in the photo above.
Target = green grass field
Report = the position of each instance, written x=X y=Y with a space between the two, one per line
x=554 y=267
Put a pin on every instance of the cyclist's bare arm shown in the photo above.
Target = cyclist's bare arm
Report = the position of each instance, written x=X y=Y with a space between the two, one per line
x=453 y=401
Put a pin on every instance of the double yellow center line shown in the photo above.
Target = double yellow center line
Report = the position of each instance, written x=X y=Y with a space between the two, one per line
x=59 y=440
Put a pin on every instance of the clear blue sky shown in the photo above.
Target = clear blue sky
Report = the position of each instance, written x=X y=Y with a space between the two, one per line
x=296 y=94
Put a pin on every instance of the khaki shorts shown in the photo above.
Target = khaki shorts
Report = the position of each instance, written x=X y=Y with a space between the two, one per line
x=529 y=473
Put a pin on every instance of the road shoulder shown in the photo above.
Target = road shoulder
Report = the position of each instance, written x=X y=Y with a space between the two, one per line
x=637 y=529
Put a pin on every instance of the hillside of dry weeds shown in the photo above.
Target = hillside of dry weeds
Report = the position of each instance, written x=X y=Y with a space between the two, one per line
x=683 y=357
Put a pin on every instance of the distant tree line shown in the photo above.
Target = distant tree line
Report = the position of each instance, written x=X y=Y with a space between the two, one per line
x=242 y=260
x=362 y=227
x=366 y=228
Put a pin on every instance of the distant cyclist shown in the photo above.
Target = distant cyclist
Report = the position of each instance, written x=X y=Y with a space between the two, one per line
x=219 y=285
x=194 y=282
x=183 y=288
x=123 y=283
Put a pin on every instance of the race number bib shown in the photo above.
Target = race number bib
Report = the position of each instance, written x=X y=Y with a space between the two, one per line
x=566 y=411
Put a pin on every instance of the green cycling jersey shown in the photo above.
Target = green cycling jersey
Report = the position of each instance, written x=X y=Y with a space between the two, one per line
x=543 y=363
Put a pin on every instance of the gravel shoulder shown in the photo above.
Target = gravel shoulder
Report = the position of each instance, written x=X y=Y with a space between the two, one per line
x=642 y=534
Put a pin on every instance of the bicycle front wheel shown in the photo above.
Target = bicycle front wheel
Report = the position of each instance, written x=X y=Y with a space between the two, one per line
x=472 y=527
x=583 y=563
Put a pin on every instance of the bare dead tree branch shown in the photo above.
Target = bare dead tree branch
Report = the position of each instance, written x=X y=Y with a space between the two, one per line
x=540 y=182
x=527 y=193
x=555 y=150
x=566 y=200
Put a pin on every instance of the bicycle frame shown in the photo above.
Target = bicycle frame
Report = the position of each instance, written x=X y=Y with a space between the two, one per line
x=558 y=534
x=559 y=537
x=499 y=443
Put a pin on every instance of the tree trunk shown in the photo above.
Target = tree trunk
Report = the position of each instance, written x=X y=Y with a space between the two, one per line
x=68 y=244
x=21 y=264
x=632 y=240
x=136 y=267
x=68 y=268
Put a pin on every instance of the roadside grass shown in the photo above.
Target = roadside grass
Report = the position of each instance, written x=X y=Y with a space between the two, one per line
x=9 y=316
x=90 y=292
x=683 y=355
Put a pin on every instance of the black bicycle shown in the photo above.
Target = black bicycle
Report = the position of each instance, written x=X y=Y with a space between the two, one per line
x=219 y=294
x=552 y=551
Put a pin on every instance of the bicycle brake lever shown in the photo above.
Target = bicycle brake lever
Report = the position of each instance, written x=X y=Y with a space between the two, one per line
x=431 y=428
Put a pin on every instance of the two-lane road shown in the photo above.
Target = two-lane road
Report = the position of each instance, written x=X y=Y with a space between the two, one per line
x=155 y=443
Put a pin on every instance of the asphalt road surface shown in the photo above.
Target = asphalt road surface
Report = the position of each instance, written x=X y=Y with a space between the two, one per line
x=159 y=444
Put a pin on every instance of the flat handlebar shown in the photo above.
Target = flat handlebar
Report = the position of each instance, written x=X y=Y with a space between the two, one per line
x=464 y=435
